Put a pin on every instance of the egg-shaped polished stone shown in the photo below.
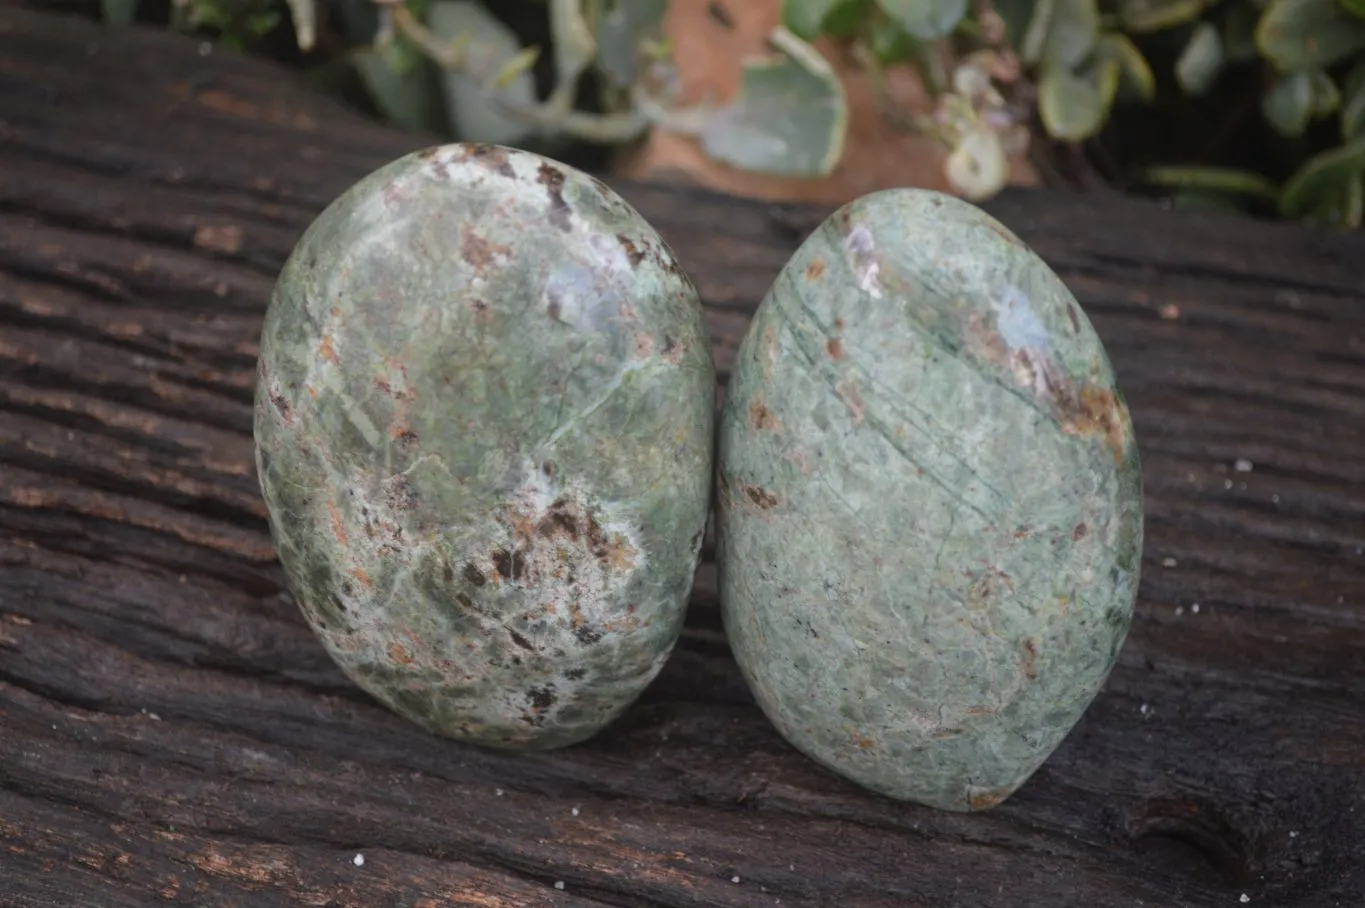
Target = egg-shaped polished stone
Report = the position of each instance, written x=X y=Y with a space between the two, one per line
x=929 y=518
x=484 y=422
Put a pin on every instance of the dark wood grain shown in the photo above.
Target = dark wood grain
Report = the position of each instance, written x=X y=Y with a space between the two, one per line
x=171 y=731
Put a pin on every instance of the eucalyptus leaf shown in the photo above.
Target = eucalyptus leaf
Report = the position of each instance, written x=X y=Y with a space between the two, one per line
x=978 y=167
x=1326 y=95
x=1340 y=208
x=1201 y=60
x=1353 y=103
x=789 y=118
x=620 y=32
x=1154 y=15
x=1035 y=36
x=1322 y=175
x=1308 y=34
x=925 y=19
x=1073 y=34
x=573 y=41
x=118 y=12
x=889 y=42
x=489 y=45
x=845 y=18
x=1073 y=106
x=1289 y=105
x=806 y=18
x=1224 y=180
x=1136 y=75
x=402 y=83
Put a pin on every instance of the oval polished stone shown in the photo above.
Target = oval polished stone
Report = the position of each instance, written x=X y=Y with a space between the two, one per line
x=929 y=518
x=484 y=422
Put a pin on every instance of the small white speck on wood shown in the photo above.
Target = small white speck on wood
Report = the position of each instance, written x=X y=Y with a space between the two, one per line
x=734 y=879
x=559 y=884
x=1195 y=608
x=574 y=811
x=498 y=792
x=1242 y=465
x=1169 y=562
x=358 y=860
x=1179 y=610
x=1244 y=899
x=1144 y=709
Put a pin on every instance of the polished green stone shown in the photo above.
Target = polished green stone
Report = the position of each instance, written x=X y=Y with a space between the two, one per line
x=484 y=421
x=929 y=518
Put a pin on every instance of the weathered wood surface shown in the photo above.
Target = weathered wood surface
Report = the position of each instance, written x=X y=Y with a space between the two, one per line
x=170 y=730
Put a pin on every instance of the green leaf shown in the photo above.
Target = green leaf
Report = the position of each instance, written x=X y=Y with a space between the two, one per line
x=1308 y=34
x=1073 y=106
x=402 y=83
x=1353 y=103
x=1203 y=200
x=1136 y=76
x=1289 y=104
x=806 y=18
x=789 y=118
x=1354 y=7
x=1223 y=180
x=620 y=33
x=1073 y=34
x=1326 y=95
x=1201 y=60
x=119 y=12
x=844 y=19
x=1320 y=176
x=889 y=42
x=1035 y=36
x=573 y=41
x=1340 y=208
x=925 y=19
x=1155 y=15
x=489 y=45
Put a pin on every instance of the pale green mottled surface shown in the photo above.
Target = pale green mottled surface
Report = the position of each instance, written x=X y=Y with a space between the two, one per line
x=929 y=518
x=484 y=432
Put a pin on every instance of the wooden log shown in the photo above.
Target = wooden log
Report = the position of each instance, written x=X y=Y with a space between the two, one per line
x=171 y=731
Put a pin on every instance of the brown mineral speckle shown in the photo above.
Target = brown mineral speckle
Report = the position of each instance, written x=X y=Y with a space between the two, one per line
x=761 y=418
x=326 y=350
x=982 y=800
x=474 y=575
x=673 y=349
x=1074 y=317
x=338 y=525
x=1094 y=412
x=1079 y=533
x=835 y=348
x=1029 y=665
x=399 y=653
x=762 y=499
x=815 y=270
x=552 y=178
x=633 y=253
x=644 y=346
x=493 y=157
x=401 y=495
x=479 y=252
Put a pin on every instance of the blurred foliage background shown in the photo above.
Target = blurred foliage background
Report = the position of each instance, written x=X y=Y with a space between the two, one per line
x=1255 y=106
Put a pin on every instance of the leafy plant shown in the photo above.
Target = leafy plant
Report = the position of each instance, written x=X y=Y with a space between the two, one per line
x=1001 y=75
